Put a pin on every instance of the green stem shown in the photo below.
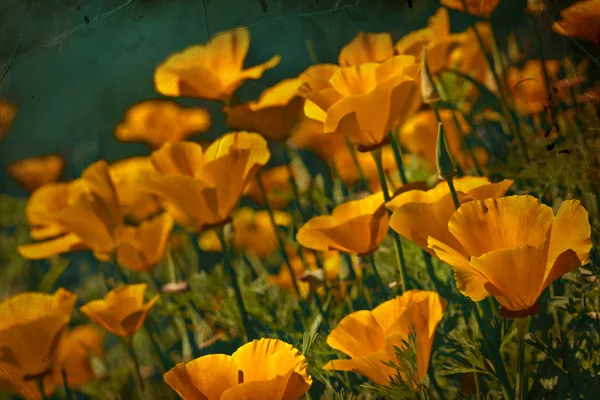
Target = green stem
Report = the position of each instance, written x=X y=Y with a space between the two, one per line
x=398 y=157
x=136 y=363
x=453 y=192
x=361 y=174
x=431 y=271
x=436 y=110
x=234 y=282
x=40 y=385
x=402 y=270
x=68 y=392
x=377 y=275
x=164 y=362
x=521 y=386
x=294 y=184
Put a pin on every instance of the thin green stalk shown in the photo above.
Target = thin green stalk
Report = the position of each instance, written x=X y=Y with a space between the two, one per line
x=431 y=271
x=398 y=157
x=234 y=282
x=377 y=275
x=453 y=192
x=136 y=363
x=249 y=265
x=164 y=362
x=402 y=270
x=40 y=385
x=295 y=190
x=186 y=346
x=436 y=110
x=68 y=392
x=521 y=386
x=361 y=174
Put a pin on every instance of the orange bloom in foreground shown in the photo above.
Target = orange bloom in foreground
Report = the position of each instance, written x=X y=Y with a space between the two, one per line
x=122 y=311
x=365 y=48
x=211 y=71
x=580 y=20
x=259 y=370
x=31 y=325
x=474 y=7
x=156 y=122
x=513 y=247
x=34 y=172
x=369 y=337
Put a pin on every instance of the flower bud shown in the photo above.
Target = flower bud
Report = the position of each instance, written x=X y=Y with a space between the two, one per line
x=445 y=164
x=428 y=90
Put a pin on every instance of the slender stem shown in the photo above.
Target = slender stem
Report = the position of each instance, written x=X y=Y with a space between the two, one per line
x=521 y=386
x=234 y=282
x=477 y=387
x=361 y=174
x=431 y=271
x=294 y=184
x=40 y=385
x=68 y=392
x=249 y=265
x=398 y=157
x=164 y=362
x=377 y=275
x=453 y=192
x=136 y=363
x=186 y=345
x=402 y=270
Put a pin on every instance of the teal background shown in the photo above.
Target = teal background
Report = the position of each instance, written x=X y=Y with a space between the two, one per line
x=74 y=66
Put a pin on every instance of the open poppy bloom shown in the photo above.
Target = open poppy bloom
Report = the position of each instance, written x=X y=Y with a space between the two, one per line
x=308 y=135
x=212 y=71
x=474 y=7
x=8 y=113
x=419 y=135
x=436 y=207
x=275 y=113
x=367 y=48
x=34 y=172
x=252 y=231
x=357 y=227
x=143 y=246
x=276 y=182
x=156 y=122
x=207 y=185
x=261 y=369
x=122 y=311
x=580 y=20
x=369 y=337
x=529 y=86
x=363 y=102
x=31 y=325
x=512 y=248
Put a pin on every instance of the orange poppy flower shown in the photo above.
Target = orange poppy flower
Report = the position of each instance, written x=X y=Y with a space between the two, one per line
x=366 y=48
x=419 y=135
x=348 y=172
x=363 y=102
x=252 y=231
x=436 y=207
x=156 y=122
x=529 y=87
x=512 y=248
x=276 y=182
x=8 y=113
x=358 y=226
x=31 y=325
x=275 y=113
x=207 y=185
x=122 y=311
x=369 y=337
x=261 y=369
x=308 y=134
x=212 y=71
x=34 y=172
x=580 y=20
x=474 y=7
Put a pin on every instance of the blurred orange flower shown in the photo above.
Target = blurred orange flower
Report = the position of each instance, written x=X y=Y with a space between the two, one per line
x=8 y=113
x=212 y=71
x=207 y=185
x=276 y=182
x=156 y=122
x=31 y=325
x=34 y=172
x=261 y=369
x=308 y=134
x=419 y=135
x=366 y=48
x=369 y=337
x=474 y=7
x=358 y=227
x=363 y=102
x=512 y=248
x=252 y=231
x=436 y=207
x=275 y=113
x=580 y=20
x=529 y=86
x=122 y=311
x=348 y=172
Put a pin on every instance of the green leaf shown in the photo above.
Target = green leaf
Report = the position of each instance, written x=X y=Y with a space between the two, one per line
x=55 y=271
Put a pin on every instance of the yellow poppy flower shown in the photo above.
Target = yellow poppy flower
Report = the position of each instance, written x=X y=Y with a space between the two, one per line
x=34 y=172
x=277 y=184
x=93 y=221
x=580 y=20
x=419 y=135
x=207 y=185
x=252 y=231
x=358 y=227
x=436 y=207
x=260 y=370
x=142 y=247
x=8 y=113
x=122 y=311
x=348 y=172
x=156 y=122
x=212 y=71
x=275 y=113
x=308 y=135
x=369 y=337
x=513 y=247
x=136 y=204
x=363 y=102
x=528 y=85
x=366 y=48
x=31 y=325
x=474 y=7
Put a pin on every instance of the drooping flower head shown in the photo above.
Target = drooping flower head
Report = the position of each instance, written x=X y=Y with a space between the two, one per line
x=34 y=172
